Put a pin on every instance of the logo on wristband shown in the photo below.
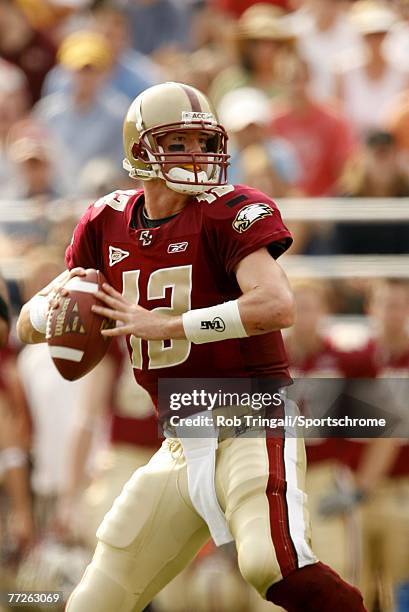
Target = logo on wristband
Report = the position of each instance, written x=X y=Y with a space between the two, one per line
x=216 y=325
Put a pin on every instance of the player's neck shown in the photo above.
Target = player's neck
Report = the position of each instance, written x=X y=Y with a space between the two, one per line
x=161 y=202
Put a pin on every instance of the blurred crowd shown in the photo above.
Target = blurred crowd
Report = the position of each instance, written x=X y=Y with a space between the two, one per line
x=314 y=95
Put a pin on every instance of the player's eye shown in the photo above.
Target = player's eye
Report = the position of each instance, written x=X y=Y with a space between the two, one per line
x=212 y=144
x=175 y=147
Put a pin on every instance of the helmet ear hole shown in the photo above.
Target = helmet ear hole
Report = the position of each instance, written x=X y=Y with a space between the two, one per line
x=138 y=152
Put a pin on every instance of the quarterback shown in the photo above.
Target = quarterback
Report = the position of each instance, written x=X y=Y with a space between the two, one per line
x=194 y=285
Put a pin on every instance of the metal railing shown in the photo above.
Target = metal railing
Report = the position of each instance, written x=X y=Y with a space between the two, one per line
x=315 y=210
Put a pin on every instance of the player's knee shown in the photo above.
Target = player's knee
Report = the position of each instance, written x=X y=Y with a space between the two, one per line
x=257 y=567
x=98 y=592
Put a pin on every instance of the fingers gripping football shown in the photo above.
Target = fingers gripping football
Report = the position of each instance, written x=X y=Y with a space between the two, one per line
x=57 y=290
x=130 y=318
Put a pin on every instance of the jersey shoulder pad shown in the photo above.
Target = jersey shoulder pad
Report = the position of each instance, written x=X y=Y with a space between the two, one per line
x=227 y=204
x=118 y=200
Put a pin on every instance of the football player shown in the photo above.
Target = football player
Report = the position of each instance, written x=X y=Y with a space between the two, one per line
x=312 y=354
x=14 y=464
x=195 y=286
x=14 y=473
x=384 y=464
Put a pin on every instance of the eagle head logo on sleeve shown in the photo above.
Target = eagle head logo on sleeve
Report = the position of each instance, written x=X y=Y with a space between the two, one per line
x=250 y=214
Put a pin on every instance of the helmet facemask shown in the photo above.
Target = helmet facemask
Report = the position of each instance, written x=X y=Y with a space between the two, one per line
x=198 y=171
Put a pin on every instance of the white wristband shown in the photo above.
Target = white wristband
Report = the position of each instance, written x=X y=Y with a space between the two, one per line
x=221 y=322
x=39 y=313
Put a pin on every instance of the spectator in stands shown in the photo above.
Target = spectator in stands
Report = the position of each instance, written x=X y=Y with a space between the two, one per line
x=246 y=115
x=366 y=87
x=131 y=71
x=24 y=47
x=382 y=466
x=313 y=354
x=375 y=172
x=14 y=103
x=212 y=28
x=14 y=475
x=321 y=136
x=60 y=231
x=55 y=18
x=398 y=121
x=158 y=25
x=237 y=7
x=101 y=176
x=83 y=122
x=325 y=35
x=36 y=180
x=35 y=176
x=262 y=37
x=199 y=68
x=397 y=40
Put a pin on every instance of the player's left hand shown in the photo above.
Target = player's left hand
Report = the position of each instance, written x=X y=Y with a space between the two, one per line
x=340 y=501
x=130 y=318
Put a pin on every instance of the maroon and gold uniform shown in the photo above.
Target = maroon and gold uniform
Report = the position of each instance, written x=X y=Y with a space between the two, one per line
x=257 y=489
x=335 y=539
x=386 y=513
x=189 y=263
x=384 y=365
x=184 y=264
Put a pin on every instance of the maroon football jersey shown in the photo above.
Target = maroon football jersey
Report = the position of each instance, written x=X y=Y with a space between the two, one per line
x=330 y=362
x=386 y=366
x=186 y=263
x=326 y=362
x=323 y=363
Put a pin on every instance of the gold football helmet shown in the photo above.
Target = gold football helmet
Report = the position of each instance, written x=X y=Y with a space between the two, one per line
x=172 y=108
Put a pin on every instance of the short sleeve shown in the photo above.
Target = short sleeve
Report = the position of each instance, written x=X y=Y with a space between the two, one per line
x=82 y=249
x=241 y=230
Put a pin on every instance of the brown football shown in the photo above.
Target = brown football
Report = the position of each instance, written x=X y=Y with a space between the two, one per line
x=74 y=332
